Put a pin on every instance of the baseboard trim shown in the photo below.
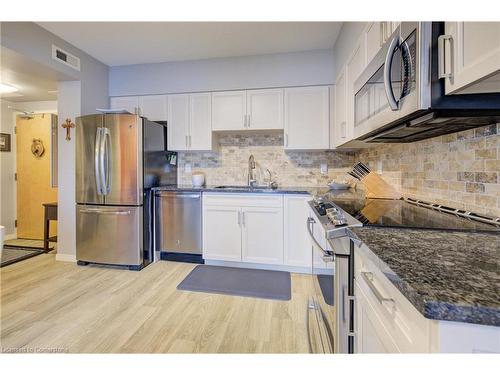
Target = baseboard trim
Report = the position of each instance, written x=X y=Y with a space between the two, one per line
x=272 y=267
x=11 y=236
x=66 y=257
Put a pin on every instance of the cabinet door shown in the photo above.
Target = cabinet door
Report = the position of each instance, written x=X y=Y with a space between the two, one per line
x=262 y=235
x=153 y=107
x=296 y=239
x=128 y=103
x=340 y=122
x=355 y=67
x=200 y=124
x=222 y=244
x=371 y=335
x=307 y=118
x=373 y=39
x=475 y=55
x=229 y=110
x=265 y=109
x=178 y=122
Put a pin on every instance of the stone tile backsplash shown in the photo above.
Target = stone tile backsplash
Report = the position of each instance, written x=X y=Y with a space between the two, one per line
x=460 y=170
x=229 y=164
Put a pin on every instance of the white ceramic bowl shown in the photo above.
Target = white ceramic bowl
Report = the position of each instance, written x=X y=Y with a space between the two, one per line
x=198 y=179
x=338 y=185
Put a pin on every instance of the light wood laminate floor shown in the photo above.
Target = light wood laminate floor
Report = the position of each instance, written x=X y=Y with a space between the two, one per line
x=49 y=305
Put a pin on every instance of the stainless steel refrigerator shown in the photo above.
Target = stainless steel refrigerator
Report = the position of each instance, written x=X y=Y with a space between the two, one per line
x=111 y=150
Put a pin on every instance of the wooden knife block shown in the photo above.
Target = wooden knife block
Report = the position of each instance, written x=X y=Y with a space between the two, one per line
x=376 y=187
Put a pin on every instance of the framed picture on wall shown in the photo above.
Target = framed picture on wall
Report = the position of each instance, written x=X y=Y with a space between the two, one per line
x=4 y=142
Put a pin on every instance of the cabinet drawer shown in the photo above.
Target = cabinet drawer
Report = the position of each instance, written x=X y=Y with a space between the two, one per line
x=243 y=200
x=407 y=326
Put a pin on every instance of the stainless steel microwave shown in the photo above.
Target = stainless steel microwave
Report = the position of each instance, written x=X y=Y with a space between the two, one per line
x=400 y=98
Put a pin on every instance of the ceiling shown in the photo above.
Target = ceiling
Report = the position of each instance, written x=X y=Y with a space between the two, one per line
x=124 y=43
x=33 y=81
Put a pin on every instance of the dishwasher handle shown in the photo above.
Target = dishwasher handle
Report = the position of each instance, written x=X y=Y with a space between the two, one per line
x=178 y=195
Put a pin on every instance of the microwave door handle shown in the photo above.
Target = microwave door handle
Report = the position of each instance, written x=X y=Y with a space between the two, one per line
x=387 y=74
x=97 y=160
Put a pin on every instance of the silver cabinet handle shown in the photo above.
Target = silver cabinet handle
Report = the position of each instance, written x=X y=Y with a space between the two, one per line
x=442 y=55
x=368 y=277
x=244 y=121
x=248 y=121
x=186 y=141
x=286 y=140
x=343 y=129
x=388 y=76
x=239 y=218
x=189 y=141
x=381 y=33
x=243 y=218
x=103 y=212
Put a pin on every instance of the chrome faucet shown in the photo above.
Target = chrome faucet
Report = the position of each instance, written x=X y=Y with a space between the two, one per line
x=251 y=167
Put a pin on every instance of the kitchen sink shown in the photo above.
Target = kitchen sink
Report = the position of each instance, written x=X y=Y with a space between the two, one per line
x=247 y=188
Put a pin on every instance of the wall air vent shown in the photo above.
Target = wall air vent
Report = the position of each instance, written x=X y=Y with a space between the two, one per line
x=65 y=57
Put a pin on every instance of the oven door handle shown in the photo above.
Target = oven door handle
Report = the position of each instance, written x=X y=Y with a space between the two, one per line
x=393 y=103
x=327 y=255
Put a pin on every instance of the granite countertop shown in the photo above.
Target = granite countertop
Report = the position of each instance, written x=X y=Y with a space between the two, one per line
x=446 y=275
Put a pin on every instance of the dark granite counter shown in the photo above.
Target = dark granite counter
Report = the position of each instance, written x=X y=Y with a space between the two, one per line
x=446 y=275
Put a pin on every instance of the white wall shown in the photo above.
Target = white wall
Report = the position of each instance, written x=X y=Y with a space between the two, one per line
x=275 y=70
x=8 y=159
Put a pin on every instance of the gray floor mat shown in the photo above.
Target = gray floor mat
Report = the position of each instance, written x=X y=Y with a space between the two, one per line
x=15 y=254
x=239 y=282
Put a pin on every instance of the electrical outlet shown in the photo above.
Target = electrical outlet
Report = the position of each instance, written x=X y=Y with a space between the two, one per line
x=187 y=168
x=323 y=168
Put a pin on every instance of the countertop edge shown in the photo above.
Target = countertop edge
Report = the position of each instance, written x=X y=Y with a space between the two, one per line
x=432 y=309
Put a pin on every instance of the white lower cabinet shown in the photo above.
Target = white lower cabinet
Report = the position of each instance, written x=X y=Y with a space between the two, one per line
x=244 y=228
x=222 y=233
x=262 y=235
x=296 y=240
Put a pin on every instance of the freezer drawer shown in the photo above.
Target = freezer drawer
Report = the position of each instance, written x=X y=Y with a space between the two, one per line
x=109 y=234
x=179 y=222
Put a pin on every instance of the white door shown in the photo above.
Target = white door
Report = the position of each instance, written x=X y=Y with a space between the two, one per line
x=475 y=55
x=128 y=103
x=222 y=233
x=340 y=122
x=200 y=128
x=265 y=109
x=297 y=248
x=307 y=118
x=153 y=107
x=262 y=235
x=229 y=110
x=178 y=122
x=355 y=67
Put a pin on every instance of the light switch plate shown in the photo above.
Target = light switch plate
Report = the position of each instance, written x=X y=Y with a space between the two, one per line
x=187 y=168
x=323 y=168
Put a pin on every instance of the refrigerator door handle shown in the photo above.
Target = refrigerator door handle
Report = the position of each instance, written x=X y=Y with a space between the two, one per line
x=109 y=160
x=97 y=159
x=103 y=157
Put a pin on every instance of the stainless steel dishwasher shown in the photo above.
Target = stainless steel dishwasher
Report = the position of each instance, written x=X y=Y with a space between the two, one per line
x=178 y=226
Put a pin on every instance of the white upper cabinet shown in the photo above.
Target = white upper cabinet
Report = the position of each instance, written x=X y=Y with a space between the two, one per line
x=307 y=118
x=153 y=107
x=178 y=122
x=200 y=124
x=373 y=39
x=229 y=110
x=340 y=115
x=264 y=109
x=189 y=122
x=128 y=103
x=355 y=66
x=470 y=57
